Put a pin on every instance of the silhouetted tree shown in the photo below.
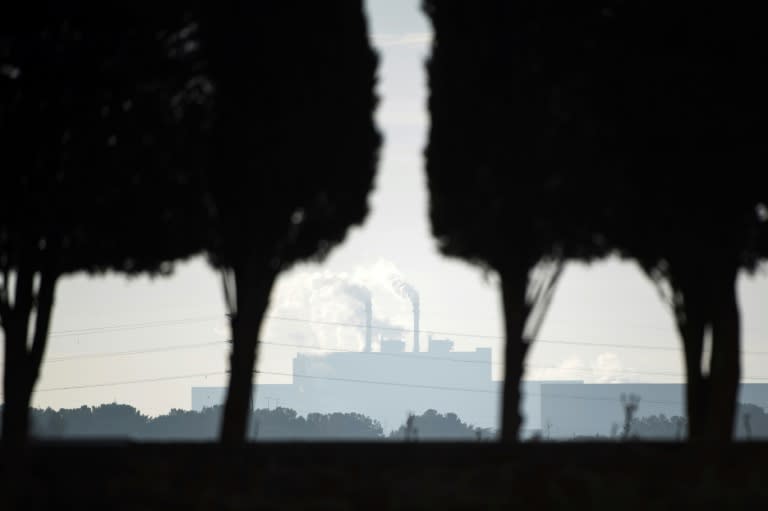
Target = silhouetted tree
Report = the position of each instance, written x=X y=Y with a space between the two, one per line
x=630 y=403
x=185 y=425
x=658 y=427
x=432 y=425
x=92 y=177
x=294 y=153
x=685 y=103
x=510 y=139
x=124 y=421
x=751 y=422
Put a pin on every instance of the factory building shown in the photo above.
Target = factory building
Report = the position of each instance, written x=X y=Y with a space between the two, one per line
x=571 y=410
x=385 y=385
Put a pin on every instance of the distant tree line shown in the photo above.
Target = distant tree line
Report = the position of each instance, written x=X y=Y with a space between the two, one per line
x=124 y=421
x=750 y=422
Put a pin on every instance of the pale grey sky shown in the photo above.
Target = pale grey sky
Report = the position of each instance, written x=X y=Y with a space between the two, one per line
x=609 y=303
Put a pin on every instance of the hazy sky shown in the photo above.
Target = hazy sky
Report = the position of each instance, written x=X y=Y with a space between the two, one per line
x=99 y=321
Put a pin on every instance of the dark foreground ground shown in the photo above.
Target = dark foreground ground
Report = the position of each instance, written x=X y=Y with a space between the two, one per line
x=384 y=476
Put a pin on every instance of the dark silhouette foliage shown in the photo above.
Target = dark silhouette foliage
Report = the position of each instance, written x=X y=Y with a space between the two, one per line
x=284 y=423
x=124 y=421
x=432 y=425
x=659 y=427
x=94 y=176
x=750 y=423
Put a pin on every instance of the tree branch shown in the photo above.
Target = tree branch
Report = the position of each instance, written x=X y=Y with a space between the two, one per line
x=230 y=291
x=4 y=304
x=43 y=310
x=543 y=300
x=23 y=301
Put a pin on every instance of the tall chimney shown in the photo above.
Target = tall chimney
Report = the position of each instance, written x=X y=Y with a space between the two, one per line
x=416 y=324
x=368 y=321
x=408 y=291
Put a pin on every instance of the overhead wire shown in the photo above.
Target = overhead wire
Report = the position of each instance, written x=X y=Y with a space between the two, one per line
x=134 y=326
x=421 y=355
x=335 y=379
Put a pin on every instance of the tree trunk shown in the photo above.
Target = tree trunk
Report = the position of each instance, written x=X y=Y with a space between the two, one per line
x=22 y=364
x=691 y=325
x=253 y=285
x=709 y=300
x=725 y=368
x=17 y=395
x=514 y=283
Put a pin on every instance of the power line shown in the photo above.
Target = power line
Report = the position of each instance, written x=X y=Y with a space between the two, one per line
x=110 y=354
x=466 y=361
x=460 y=389
x=344 y=380
x=129 y=382
x=131 y=326
x=375 y=382
x=135 y=326
x=345 y=350
x=498 y=337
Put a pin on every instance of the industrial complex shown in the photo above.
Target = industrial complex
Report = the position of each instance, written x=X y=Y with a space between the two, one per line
x=389 y=383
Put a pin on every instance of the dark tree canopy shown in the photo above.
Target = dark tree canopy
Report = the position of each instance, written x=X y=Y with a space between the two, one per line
x=294 y=144
x=513 y=135
x=687 y=104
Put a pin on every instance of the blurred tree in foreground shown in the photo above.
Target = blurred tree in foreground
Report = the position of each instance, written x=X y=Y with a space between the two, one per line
x=568 y=130
x=686 y=103
x=511 y=143
x=93 y=176
x=294 y=152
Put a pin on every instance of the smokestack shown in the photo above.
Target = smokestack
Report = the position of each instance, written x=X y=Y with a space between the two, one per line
x=407 y=291
x=368 y=321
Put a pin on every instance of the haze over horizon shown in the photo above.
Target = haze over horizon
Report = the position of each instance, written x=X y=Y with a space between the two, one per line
x=99 y=321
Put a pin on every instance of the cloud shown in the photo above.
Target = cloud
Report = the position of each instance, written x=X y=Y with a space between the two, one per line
x=607 y=367
x=572 y=368
x=386 y=40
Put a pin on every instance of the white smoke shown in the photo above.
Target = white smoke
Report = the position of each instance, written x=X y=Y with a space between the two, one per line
x=406 y=290
x=358 y=292
x=326 y=309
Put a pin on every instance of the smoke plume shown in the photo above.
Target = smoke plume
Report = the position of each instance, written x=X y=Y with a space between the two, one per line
x=408 y=291
x=363 y=295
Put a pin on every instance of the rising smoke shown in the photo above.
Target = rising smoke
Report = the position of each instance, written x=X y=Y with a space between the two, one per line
x=406 y=290
x=363 y=295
